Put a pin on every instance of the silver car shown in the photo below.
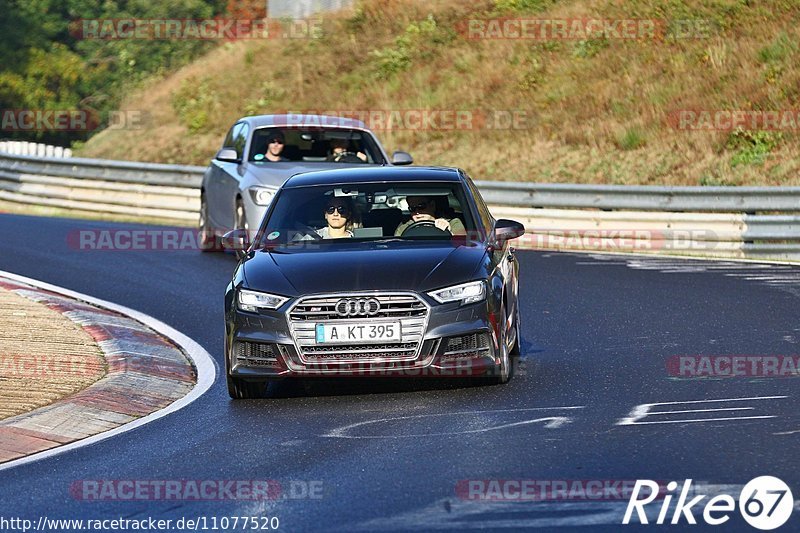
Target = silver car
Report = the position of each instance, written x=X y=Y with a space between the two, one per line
x=242 y=178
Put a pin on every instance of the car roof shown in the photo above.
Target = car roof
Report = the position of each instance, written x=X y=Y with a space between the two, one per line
x=374 y=174
x=300 y=120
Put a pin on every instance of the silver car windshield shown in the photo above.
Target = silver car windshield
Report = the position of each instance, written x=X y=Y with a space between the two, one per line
x=368 y=213
x=313 y=145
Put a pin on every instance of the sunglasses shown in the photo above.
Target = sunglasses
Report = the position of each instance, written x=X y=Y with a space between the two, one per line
x=276 y=141
x=342 y=209
x=420 y=206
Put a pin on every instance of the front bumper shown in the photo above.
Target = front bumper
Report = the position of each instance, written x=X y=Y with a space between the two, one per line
x=452 y=341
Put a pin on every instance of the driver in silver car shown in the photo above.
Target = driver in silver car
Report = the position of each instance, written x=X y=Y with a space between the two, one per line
x=340 y=152
x=275 y=145
x=423 y=208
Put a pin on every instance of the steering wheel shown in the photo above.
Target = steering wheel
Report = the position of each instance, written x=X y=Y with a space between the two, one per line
x=424 y=228
x=348 y=157
x=307 y=231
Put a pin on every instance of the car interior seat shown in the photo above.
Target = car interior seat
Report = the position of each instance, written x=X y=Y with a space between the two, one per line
x=388 y=219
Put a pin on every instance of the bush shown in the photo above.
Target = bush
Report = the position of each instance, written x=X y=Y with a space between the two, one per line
x=752 y=147
x=415 y=41
x=589 y=48
x=193 y=103
x=631 y=139
x=270 y=93
x=522 y=6
x=779 y=50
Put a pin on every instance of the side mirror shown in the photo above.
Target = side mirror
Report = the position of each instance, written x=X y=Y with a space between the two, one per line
x=402 y=158
x=237 y=241
x=228 y=155
x=505 y=230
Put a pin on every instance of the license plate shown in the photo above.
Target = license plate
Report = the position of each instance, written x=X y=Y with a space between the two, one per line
x=358 y=332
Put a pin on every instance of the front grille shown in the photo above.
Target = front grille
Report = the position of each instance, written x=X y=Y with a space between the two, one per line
x=392 y=306
x=256 y=354
x=467 y=347
x=406 y=308
x=358 y=352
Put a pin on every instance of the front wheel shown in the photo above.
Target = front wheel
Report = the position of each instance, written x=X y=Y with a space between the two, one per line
x=515 y=349
x=505 y=370
x=241 y=224
x=207 y=238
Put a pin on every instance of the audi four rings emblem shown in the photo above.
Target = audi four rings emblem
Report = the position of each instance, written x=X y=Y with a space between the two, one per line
x=358 y=307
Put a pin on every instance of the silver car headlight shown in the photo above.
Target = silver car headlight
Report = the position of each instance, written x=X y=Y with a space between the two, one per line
x=466 y=293
x=261 y=195
x=252 y=301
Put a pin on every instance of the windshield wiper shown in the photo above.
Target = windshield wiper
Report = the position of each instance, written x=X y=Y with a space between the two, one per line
x=273 y=248
x=388 y=239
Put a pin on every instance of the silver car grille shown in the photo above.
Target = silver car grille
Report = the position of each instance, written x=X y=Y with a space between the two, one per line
x=406 y=308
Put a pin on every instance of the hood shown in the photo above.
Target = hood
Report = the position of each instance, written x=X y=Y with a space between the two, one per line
x=275 y=174
x=392 y=266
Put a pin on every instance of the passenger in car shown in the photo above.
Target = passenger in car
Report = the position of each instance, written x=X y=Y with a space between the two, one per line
x=275 y=145
x=423 y=208
x=340 y=216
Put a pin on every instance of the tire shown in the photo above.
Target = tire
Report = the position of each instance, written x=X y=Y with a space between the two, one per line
x=206 y=237
x=239 y=389
x=515 y=350
x=240 y=223
x=505 y=371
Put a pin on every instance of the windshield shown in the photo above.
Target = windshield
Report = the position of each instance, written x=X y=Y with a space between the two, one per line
x=313 y=145
x=368 y=213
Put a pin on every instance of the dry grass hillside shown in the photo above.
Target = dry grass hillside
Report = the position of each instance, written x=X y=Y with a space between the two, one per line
x=597 y=109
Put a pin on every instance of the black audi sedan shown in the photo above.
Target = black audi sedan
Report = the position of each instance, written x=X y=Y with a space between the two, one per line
x=376 y=271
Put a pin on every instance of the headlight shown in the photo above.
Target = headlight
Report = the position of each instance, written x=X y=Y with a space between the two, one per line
x=261 y=195
x=466 y=293
x=253 y=301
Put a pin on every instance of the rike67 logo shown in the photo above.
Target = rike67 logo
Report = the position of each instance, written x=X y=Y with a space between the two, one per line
x=765 y=503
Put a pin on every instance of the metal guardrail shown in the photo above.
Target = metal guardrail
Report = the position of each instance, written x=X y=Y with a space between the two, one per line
x=757 y=222
x=754 y=222
x=297 y=9
x=643 y=198
x=119 y=187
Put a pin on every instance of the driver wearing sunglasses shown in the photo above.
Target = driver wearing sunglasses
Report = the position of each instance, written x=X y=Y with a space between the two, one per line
x=339 y=216
x=423 y=208
x=275 y=144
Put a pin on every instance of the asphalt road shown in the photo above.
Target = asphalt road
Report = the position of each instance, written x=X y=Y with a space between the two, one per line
x=598 y=331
